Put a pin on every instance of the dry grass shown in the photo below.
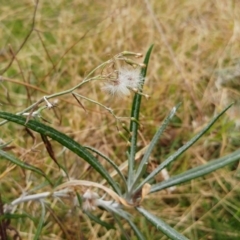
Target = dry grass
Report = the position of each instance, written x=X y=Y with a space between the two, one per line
x=192 y=40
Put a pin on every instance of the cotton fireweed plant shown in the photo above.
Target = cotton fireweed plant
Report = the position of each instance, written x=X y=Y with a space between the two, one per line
x=120 y=76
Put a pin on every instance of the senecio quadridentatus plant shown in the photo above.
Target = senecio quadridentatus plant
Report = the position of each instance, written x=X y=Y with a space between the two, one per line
x=119 y=76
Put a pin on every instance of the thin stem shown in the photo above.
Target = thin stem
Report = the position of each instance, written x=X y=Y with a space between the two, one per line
x=85 y=80
x=44 y=98
x=97 y=103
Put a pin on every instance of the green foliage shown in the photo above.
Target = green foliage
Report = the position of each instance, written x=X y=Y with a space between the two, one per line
x=22 y=164
x=64 y=140
x=161 y=225
x=134 y=124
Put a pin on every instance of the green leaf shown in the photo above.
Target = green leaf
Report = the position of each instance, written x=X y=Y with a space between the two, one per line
x=161 y=225
x=123 y=214
x=197 y=171
x=99 y=221
x=22 y=164
x=121 y=228
x=2 y=146
x=17 y=216
x=12 y=216
x=111 y=162
x=136 y=230
x=79 y=198
x=64 y=140
x=41 y=222
x=152 y=145
x=181 y=149
x=120 y=212
x=134 y=122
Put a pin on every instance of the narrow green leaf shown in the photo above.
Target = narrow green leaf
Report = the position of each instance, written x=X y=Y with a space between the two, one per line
x=22 y=164
x=121 y=213
x=136 y=230
x=111 y=162
x=64 y=140
x=152 y=145
x=12 y=216
x=133 y=124
x=2 y=146
x=99 y=221
x=17 y=216
x=161 y=225
x=79 y=198
x=121 y=228
x=118 y=211
x=41 y=222
x=182 y=149
x=197 y=171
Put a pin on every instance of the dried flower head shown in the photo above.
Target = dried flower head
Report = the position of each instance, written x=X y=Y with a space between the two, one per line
x=127 y=79
x=90 y=200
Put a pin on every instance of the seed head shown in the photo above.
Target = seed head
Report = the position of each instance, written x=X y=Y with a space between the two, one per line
x=127 y=79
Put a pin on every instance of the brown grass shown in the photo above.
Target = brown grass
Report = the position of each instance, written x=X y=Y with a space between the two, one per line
x=192 y=40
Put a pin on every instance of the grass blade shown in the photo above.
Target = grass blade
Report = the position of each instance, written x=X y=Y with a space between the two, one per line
x=79 y=198
x=197 y=171
x=182 y=149
x=161 y=225
x=3 y=226
x=41 y=222
x=136 y=230
x=111 y=162
x=96 y=219
x=121 y=213
x=63 y=140
x=134 y=123
x=22 y=164
x=152 y=145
